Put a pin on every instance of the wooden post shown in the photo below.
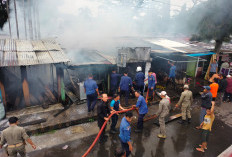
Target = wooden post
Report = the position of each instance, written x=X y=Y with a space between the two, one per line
x=25 y=85
x=60 y=84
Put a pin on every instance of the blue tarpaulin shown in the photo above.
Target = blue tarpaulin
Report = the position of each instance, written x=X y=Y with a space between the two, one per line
x=201 y=54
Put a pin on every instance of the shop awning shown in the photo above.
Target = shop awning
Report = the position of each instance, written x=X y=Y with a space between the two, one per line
x=201 y=54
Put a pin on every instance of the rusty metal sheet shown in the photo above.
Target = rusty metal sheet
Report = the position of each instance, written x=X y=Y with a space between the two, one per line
x=27 y=58
x=10 y=45
x=24 y=46
x=10 y=59
x=2 y=43
x=44 y=57
x=38 y=46
x=59 y=56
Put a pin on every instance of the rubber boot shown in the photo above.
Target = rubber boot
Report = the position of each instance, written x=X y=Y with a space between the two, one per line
x=189 y=120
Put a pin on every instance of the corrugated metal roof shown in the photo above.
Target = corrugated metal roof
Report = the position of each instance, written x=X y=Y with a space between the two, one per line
x=51 y=45
x=27 y=58
x=2 y=43
x=1 y=58
x=24 y=45
x=10 y=59
x=26 y=52
x=10 y=45
x=44 y=57
x=59 y=56
x=38 y=46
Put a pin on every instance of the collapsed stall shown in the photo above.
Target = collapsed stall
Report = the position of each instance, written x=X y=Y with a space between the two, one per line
x=30 y=72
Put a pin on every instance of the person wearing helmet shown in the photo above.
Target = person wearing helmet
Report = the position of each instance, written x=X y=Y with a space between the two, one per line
x=139 y=80
x=185 y=102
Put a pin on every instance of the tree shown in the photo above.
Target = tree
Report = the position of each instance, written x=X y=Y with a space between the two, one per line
x=3 y=13
x=215 y=22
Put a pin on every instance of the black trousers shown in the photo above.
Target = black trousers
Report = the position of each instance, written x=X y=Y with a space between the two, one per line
x=140 y=121
x=125 y=148
x=91 y=101
x=140 y=88
x=114 y=121
x=126 y=94
x=113 y=89
x=100 y=124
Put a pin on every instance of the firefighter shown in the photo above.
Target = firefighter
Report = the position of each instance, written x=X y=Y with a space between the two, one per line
x=91 y=90
x=124 y=87
x=139 y=80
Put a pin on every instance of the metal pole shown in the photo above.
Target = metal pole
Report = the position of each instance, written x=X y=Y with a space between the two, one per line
x=24 y=12
x=38 y=23
x=30 y=20
x=7 y=6
x=16 y=19
x=34 y=15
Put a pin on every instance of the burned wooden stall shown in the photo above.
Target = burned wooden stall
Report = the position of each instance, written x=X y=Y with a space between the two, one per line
x=83 y=63
x=130 y=58
x=28 y=72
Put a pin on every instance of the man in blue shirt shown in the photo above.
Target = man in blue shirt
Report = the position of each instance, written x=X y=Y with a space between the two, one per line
x=114 y=79
x=139 y=80
x=125 y=133
x=213 y=68
x=172 y=75
x=124 y=87
x=91 y=90
x=142 y=106
x=151 y=84
x=115 y=106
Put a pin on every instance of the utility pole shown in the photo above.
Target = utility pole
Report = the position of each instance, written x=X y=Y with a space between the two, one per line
x=34 y=18
x=7 y=9
x=16 y=19
x=25 y=25
x=38 y=23
x=30 y=19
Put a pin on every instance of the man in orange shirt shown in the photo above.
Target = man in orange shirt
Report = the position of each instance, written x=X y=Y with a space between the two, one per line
x=214 y=88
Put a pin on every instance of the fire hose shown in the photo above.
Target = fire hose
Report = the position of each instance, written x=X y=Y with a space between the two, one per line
x=103 y=126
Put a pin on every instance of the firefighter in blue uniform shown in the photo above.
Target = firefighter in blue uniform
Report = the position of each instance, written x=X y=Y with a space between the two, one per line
x=114 y=79
x=124 y=86
x=115 y=106
x=151 y=84
x=139 y=80
x=91 y=90
x=142 y=106
x=125 y=133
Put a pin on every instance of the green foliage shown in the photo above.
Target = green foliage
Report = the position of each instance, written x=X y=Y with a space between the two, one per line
x=3 y=14
x=214 y=20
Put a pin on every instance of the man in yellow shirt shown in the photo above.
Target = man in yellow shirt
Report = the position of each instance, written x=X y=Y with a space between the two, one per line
x=206 y=127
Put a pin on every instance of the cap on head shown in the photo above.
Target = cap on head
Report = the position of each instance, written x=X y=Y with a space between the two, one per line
x=163 y=93
x=186 y=86
x=228 y=76
x=207 y=88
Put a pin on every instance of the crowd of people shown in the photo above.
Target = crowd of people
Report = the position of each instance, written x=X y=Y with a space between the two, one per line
x=16 y=136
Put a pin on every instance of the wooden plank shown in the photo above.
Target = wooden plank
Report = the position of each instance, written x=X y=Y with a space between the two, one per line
x=3 y=93
x=26 y=92
x=169 y=119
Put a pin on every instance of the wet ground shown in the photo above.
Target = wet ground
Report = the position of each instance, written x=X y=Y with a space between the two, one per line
x=181 y=142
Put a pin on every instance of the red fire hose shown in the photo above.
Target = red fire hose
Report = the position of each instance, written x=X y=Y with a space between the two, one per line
x=94 y=142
